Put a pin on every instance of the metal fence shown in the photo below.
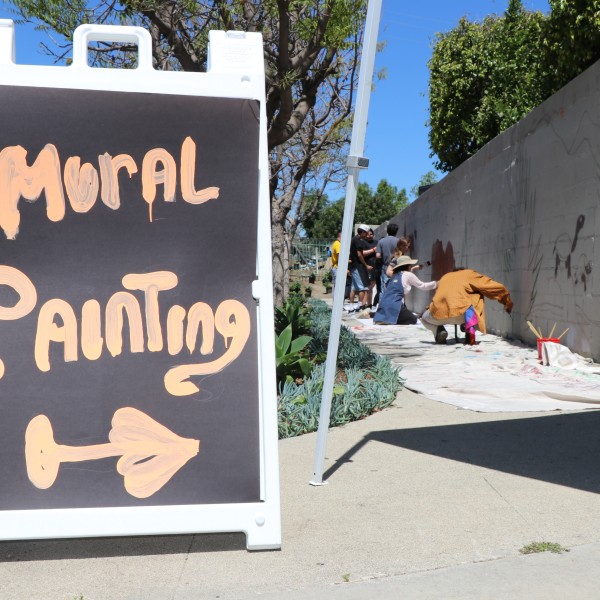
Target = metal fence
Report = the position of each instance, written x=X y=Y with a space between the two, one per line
x=311 y=255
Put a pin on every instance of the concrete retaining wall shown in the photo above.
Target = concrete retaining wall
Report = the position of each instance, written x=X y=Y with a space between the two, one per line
x=524 y=210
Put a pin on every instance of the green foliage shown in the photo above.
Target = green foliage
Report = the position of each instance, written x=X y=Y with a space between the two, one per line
x=328 y=221
x=289 y=360
x=295 y=288
x=60 y=16
x=371 y=207
x=484 y=77
x=295 y=314
x=365 y=383
x=428 y=178
x=380 y=205
x=571 y=40
x=311 y=206
x=536 y=547
x=351 y=352
x=296 y=295
x=365 y=391
x=517 y=77
x=328 y=278
x=320 y=317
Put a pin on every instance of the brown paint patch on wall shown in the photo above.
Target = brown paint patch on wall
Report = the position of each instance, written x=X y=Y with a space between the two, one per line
x=442 y=261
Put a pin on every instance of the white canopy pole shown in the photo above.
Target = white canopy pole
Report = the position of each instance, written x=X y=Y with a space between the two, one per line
x=356 y=161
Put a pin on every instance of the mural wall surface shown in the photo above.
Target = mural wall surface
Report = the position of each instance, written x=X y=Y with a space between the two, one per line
x=524 y=210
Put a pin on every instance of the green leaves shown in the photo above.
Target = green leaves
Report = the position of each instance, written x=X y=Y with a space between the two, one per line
x=365 y=382
x=484 y=77
x=536 y=547
x=289 y=362
x=428 y=178
x=366 y=390
x=571 y=40
x=293 y=313
x=371 y=207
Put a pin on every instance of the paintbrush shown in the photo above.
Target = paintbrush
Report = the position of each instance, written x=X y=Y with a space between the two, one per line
x=537 y=333
x=563 y=333
x=552 y=330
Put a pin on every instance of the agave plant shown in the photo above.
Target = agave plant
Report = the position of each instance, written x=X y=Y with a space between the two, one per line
x=295 y=313
x=289 y=361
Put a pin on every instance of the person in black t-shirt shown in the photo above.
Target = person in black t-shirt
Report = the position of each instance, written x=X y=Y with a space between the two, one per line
x=358 y=269
x=369 y=251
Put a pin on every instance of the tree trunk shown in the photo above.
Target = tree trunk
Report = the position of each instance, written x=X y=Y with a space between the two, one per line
x=281 y=262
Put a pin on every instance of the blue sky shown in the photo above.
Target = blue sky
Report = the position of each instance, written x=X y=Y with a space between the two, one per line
x=396 y=145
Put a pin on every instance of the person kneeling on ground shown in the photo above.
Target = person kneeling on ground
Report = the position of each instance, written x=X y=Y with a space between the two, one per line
x=459 y=300
x=392 y=308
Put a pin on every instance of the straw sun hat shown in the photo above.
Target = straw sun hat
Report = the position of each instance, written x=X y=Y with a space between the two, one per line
x=404 y=260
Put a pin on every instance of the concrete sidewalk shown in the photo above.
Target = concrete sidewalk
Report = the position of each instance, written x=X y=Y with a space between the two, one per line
x=423 y=501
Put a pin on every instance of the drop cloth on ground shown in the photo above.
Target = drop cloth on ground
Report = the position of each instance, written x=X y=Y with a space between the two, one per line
x=495 y=375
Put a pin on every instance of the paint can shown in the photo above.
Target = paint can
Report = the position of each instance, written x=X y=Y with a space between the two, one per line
x=540 y=342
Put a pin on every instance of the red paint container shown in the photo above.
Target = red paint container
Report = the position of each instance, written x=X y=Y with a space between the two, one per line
x=540 y=341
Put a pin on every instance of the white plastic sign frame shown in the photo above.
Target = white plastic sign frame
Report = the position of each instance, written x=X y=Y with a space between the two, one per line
x=235 y=70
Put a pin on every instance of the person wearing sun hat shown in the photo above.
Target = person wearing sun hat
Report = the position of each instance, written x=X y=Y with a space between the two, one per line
x=392 y=308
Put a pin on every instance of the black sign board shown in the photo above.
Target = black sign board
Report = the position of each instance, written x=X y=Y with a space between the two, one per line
x=127 y=325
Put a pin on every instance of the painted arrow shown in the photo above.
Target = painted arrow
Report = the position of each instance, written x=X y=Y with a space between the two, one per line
x=150 y=453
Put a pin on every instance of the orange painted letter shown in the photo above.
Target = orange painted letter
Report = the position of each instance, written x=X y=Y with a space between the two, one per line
x=17 y=179
x=81 y=184
x=188 y=174
x=48 y=331
x=151 y=177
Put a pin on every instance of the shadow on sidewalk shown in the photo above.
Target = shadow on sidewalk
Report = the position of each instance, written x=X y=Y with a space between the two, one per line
x=29 y=550
x=563 y=449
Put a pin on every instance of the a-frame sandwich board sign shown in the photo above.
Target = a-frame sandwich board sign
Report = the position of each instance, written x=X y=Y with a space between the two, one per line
x=137 y=372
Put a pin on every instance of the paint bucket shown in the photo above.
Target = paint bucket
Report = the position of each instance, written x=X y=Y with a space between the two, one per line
x=540 y=341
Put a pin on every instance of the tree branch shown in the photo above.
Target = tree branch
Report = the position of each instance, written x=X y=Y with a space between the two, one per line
x=166 y=22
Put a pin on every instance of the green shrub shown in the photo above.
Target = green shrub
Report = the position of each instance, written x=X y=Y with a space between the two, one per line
x=351 y=352
x=295 y=293
x=365 y=382
x=320 y=317
x=298 y=409
x=365 y=391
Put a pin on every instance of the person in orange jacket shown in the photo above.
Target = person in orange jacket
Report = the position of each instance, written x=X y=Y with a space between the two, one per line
x=459 y=300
